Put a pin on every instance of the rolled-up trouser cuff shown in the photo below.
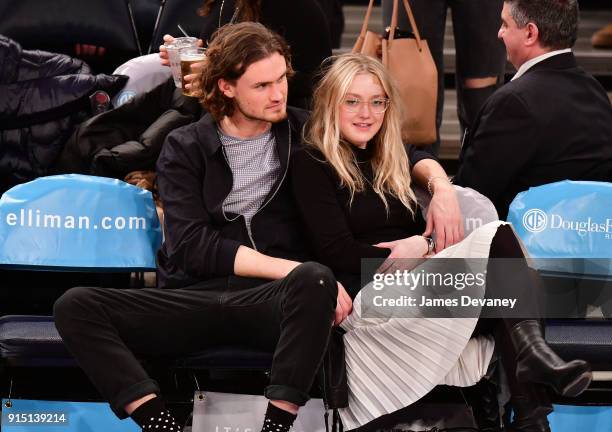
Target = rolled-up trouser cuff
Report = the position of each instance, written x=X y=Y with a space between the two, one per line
x=131 y=394
x=286 y=393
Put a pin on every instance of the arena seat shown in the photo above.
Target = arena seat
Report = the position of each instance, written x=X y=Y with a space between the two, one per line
x=61 y=224
x=574 y=265
x=32 y=341
x=590 y=340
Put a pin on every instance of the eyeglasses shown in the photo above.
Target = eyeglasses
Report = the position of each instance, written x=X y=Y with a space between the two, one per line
x=377 y=106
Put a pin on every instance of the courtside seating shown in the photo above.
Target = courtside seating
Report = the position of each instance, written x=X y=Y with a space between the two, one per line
x=532 y=214
x=63 y=224
x=32 y=341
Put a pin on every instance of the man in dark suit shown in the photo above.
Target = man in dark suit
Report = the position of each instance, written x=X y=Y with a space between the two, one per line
x=552 y=122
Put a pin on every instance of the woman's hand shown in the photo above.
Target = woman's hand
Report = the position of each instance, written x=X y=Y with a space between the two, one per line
x=344 y=305
x=411 y=247
x=444 y=215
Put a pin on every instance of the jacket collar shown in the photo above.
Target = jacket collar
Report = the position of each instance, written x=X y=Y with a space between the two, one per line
x=557 y=62
x=211 y=143
x=218 y=176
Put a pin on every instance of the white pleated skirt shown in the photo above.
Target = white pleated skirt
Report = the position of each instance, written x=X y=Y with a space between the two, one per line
x=393 y=362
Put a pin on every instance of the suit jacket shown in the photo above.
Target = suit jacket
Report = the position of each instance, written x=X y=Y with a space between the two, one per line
x=553 y=123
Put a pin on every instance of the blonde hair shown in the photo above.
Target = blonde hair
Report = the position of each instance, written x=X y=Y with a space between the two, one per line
x=389 y=159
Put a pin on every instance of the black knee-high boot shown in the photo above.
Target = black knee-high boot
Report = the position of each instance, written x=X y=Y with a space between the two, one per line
x=530 y=363
x=536 y=362
x=530 y=402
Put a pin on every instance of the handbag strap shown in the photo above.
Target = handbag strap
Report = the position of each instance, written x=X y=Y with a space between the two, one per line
x=366 y=20
x=415 y=29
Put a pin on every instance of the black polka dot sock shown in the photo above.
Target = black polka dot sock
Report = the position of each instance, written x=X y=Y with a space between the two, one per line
x=152 y=416
x=277 y=420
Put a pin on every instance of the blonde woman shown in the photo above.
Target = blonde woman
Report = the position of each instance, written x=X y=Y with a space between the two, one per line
x=352 y=183
x=353 y=180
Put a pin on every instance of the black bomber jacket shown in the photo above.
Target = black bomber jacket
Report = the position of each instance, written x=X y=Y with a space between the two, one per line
x=194 y=179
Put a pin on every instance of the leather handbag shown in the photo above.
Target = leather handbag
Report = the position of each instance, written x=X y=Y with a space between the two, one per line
x=411 y=65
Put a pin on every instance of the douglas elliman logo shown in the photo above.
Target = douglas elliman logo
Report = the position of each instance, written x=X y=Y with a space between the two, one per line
x=536 y=220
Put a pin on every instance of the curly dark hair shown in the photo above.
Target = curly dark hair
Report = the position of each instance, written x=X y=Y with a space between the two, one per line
x=234 y=47
x=248 y=10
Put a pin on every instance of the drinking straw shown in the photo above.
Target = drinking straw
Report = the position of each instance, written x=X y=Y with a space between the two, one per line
x=182 y=30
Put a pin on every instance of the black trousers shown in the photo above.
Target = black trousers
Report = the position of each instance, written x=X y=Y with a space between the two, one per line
x=106 y=329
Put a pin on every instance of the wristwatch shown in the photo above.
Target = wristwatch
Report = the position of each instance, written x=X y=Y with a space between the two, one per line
x=431 y=245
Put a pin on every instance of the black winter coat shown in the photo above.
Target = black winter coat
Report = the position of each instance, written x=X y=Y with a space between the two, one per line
x=43 y=96
x=130 y=137
x=201 y=240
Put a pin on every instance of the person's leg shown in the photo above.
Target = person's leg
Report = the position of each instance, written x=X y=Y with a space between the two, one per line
x=300 y=312
x=105 y=327
x=480 y=56
x=529 y=362
x=430 y=16
x=530 y=402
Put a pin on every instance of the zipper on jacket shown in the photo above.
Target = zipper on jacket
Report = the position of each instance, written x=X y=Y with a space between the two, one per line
x=248 y=227
x=280 y=184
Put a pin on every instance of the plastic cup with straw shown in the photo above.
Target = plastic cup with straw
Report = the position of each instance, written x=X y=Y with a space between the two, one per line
x=173 y=48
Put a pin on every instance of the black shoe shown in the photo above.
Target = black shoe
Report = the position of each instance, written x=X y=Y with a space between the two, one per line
x=482 y=398
x=530 y=410
x=538 y=425
x=536 y=362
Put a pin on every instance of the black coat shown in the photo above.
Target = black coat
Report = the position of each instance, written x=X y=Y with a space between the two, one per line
x=130 y=137
x=194 y=179
x=553 y=123
x=43 y=96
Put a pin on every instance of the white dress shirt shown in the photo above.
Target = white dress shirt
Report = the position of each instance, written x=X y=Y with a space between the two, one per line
x=530 y=63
